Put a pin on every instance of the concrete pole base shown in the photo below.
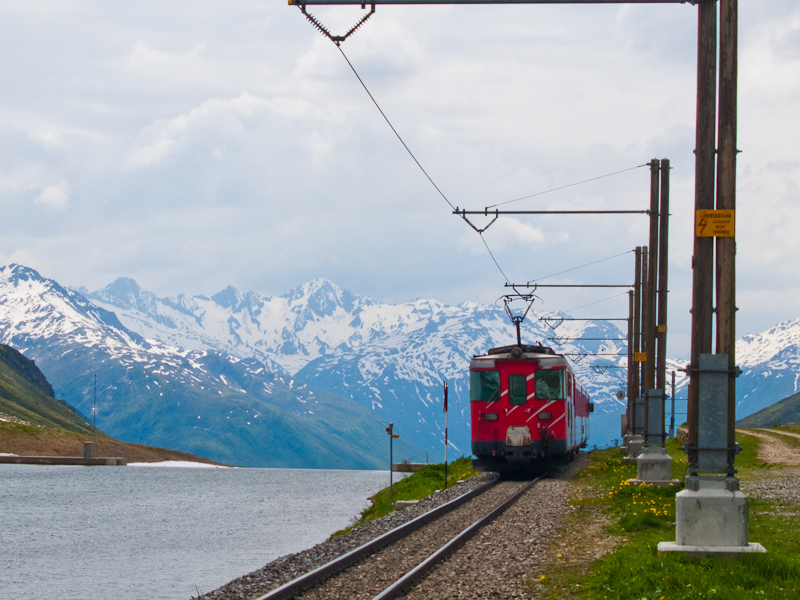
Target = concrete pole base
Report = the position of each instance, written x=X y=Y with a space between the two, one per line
x=712 y=551
x=635 y=445
x=711 y=519
x=654 y=467
x=626 y=440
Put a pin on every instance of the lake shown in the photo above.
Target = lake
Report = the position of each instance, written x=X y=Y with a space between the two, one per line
x=152 y=533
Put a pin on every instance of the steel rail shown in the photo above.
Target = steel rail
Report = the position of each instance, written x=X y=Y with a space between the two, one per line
x=294 y=587
x=418 y=573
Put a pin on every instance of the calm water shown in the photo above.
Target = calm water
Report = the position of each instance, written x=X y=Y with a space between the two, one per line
x=131 y=533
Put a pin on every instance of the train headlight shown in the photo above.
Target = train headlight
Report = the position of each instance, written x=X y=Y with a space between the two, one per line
x=545 y=416
x=490 y=416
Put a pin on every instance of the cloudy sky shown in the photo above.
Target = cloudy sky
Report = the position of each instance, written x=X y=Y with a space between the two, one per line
x=194 y=144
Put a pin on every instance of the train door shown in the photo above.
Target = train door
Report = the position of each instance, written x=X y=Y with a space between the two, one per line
x=570 y=411
x=518 y=433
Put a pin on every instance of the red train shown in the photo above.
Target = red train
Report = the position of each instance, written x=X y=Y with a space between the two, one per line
x=526 y=405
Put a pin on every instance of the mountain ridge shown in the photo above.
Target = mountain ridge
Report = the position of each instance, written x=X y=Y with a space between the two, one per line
x=388 y=359
x=230 y=409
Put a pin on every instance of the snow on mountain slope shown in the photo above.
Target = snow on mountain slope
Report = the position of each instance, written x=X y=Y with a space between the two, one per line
x=770 y=363
x=225 y=407
x=390 y=358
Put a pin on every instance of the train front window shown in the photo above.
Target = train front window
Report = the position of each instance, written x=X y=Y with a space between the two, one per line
x=517 y=390
x=484 y=385
x=549 y=384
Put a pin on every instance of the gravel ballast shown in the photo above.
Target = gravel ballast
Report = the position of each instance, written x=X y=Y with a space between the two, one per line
x=508 y=550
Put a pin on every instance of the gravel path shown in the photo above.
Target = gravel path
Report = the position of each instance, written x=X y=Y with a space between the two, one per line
x=494 y=564
x=782 y=485
x=773 y=450
x=776 y=484
x=780 y=432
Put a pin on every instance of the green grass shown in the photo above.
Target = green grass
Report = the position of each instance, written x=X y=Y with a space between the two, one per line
x=414 y=487
x=642 y=516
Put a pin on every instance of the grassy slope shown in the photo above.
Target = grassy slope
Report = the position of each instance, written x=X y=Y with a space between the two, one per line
x=781 y=413
x=414 y=487
x=636 y=519
x=51 y=427
x=26 y=395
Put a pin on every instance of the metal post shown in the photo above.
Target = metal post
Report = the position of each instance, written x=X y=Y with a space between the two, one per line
x=672 y=411
x=726 y=200
x=94 y=415
x=445 y=431
x=703 y=257
x=390 y=430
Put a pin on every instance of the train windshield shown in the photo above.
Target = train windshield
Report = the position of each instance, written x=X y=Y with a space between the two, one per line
x=518 y=390
x=484 y=385
x=550 y=384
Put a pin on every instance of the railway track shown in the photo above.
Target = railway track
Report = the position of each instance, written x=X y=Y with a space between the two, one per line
x=393 y=563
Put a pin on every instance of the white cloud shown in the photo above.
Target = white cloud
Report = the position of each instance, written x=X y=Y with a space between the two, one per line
x=147 y=60
x=320 y=148
x=55 y=197
x=238 y=145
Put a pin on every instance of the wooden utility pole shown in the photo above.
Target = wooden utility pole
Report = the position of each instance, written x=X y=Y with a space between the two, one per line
x=663 y=247
x=643 y=321
x=726 y=200
x=703 y=257
x=631 y=367
x=649 y=311
x=637 y=324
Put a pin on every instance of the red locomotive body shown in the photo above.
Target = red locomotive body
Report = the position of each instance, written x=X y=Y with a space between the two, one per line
x=525 y=405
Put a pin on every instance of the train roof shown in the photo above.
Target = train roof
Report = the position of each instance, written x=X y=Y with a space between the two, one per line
x=526 y=348
x=523 y=352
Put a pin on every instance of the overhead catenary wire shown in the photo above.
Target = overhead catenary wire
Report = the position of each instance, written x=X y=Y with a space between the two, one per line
x=414 y=158
x=430 y=179
x=410 y=153
x=581 y=266
x=568 y=311
x=563 y=187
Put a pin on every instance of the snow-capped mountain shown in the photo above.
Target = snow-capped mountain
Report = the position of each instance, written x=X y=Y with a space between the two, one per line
x=225 y=407
x=770 y=363
x=390 y=358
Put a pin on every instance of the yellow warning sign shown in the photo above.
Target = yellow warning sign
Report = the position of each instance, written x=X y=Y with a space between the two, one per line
x=715 y=223
x=640 y=356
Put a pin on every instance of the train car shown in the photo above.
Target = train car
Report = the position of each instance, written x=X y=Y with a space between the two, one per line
x=526 y=405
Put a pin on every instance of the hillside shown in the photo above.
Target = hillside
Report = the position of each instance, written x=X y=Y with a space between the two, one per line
x=781 y=413
x=25 y=394
x=232 y=409
x=34 y=423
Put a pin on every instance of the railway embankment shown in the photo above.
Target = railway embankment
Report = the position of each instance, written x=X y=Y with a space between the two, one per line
x=635 y=519
x=586 y=534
